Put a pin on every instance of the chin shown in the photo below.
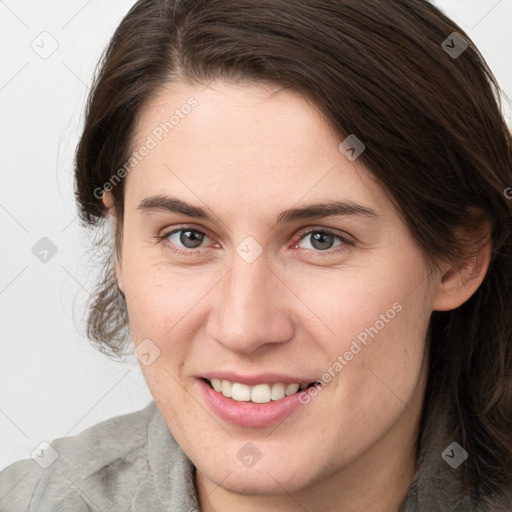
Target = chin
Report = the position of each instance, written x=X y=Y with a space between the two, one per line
x=270 y=482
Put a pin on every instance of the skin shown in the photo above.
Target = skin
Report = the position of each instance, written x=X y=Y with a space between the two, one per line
x=246 y=153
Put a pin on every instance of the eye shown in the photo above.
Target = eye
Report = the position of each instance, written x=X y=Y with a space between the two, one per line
x=323 y=240
x=184 y=239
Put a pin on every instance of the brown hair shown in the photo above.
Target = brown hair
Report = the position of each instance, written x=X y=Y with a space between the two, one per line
x=434 y=133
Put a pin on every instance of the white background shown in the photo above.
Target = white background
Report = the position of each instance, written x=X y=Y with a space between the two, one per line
x=52 y=382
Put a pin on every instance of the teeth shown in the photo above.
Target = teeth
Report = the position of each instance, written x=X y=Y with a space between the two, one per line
x=217 y=384
x=260 y=394
x=291 y=388
x=278 y=391
x=240 y=392
x=226 y=388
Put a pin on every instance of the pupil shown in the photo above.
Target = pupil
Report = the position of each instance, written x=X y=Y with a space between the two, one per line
x=320 y=238
x=191 y=236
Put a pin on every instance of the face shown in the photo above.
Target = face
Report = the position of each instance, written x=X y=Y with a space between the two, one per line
x=251 y=284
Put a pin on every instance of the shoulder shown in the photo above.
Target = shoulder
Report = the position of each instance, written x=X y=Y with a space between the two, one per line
x=71 y=473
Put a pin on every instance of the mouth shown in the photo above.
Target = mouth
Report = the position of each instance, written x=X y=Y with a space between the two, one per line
x=260 y=393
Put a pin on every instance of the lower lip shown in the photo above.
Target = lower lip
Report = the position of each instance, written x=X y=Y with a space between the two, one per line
x=249 y=414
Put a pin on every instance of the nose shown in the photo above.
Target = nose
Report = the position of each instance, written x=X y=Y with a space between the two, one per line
x=252 y=307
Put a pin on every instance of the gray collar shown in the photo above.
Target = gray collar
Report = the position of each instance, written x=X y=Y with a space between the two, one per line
x=169 y=484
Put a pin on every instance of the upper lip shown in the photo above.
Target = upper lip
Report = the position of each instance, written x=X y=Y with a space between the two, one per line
x=260 y=378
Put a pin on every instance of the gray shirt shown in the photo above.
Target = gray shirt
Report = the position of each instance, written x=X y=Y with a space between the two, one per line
x=133 y=463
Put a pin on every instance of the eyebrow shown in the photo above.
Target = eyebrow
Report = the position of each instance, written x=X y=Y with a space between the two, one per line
x=312 y=211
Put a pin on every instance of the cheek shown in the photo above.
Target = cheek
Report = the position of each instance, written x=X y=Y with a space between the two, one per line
x=371 y=324
x=381 y=378
x=147 y=304
x=159 y=296
x=360 y=303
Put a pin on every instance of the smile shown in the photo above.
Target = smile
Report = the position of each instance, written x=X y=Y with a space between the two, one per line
x=260 y=393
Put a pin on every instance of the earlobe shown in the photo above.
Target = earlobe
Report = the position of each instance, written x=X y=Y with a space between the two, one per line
x=461 y=280
x=107 y=200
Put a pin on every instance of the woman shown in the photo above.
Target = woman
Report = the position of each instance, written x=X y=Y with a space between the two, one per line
x=310 y=204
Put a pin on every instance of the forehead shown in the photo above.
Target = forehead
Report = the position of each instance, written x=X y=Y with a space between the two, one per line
x=252 y=142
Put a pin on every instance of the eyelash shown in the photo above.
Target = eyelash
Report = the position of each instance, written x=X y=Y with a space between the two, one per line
x=301 y=235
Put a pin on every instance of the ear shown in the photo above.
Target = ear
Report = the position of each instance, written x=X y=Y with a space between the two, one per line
x=108 y=202
x=459 y=281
